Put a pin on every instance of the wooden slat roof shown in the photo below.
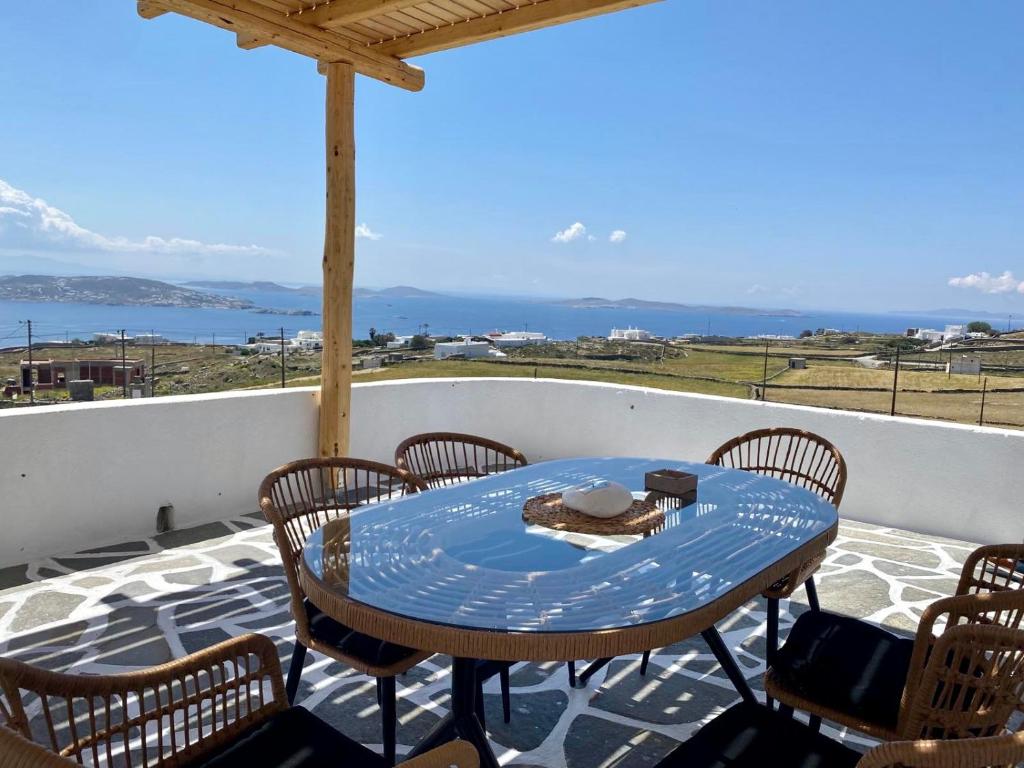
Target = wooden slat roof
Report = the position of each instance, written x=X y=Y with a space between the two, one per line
x=376 y=35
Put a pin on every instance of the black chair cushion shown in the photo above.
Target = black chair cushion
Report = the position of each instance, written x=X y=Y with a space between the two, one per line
x=369 y=649
x=846 y=664
x=749 y=735
x=294 y=738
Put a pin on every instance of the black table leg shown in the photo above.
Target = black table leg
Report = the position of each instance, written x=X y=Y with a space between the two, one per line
x=589 y=672
x=467 y=724
x=718 y=647
x=462 y=722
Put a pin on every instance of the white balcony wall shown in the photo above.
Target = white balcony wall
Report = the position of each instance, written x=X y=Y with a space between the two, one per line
x=83 y=475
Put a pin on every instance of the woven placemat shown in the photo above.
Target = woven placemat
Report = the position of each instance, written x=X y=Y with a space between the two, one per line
x=641 y=518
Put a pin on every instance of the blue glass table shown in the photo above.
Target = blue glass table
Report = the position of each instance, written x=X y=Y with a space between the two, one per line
x=456 y=570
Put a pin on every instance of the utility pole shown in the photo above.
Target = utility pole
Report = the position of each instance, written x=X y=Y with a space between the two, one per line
x=981 y=416
x=214 y=345
x=152 y=364
x=124 y=366
x=282 y=358
x=895 y=380
x=764 y=373
x=31 y=372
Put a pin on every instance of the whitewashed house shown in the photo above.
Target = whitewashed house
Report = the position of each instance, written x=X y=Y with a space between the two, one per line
x=310 y=341
x=629 y=334
x=929 y=334
x=146 y=339
x=400 y=342
x=518 y=339
x=271 y=347
x=464 y=347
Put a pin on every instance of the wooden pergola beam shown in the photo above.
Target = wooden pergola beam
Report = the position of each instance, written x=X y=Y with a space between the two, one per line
x=522 y=19
x=339 y=262
x=259 y=21
x=248 y=41
x=149 y=10
x=338 y=13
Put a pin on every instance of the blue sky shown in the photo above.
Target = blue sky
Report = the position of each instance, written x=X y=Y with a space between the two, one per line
x=817 y=154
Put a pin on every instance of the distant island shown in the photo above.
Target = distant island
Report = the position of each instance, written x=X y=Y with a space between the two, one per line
x=952 y=312
x=115 y=291
x=288 y=312
x=255 y=286
x=594 y=302
x=395 y=292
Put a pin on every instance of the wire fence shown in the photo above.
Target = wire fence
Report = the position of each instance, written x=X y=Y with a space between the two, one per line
x=982 y=398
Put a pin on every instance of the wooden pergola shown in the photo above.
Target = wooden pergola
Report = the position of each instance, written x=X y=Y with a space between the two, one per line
x=372 y=38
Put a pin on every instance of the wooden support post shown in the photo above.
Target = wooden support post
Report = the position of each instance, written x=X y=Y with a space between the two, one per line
x=339 y=261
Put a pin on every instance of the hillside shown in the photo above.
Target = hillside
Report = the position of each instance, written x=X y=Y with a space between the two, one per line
x=118 y=291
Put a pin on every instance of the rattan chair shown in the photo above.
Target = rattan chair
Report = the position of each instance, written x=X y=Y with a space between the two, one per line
x=223 y=706
x=865 y=678
x=440 y=459
x=1005 y=751
x=299 y=498
x=801 y=458
x=798 y=457
x=860 y=675
x=447 y=458
x=969 y=686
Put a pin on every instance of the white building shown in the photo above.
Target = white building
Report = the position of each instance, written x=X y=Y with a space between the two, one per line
x=308 y=340
x=629 y=334
x=955 y=332
x=400 y=342
x=265 y=347
x=970 y=364
x=466 y=347
x=519 y=339
x=929 y=334
x=145 y=339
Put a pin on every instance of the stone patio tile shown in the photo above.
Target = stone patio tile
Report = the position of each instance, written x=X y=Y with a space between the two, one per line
x=593 y=741
x=145 y=602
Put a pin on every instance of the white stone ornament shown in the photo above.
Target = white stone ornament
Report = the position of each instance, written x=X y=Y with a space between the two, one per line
x=601 y=498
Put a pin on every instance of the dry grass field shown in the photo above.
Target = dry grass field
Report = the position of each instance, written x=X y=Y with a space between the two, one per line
x=1001 y=409
x=825 y=375
x=470 y=368
x=726 y=370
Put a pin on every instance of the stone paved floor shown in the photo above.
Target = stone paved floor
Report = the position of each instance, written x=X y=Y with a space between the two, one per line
x=146 y=602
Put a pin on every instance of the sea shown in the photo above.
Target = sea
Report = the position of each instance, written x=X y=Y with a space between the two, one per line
x=435 y=314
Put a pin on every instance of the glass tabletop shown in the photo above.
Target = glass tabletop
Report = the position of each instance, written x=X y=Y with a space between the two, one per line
x=463 y=556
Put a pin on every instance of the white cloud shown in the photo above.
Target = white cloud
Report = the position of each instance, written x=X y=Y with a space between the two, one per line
x=364 y=232
x=617 y=236
x=755 y=289
x=573 y=232
x=32 y=223
x=986 y=283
